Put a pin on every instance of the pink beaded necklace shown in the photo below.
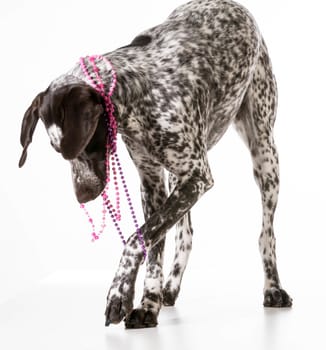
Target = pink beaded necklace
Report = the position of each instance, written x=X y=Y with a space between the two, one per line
x=112 y=161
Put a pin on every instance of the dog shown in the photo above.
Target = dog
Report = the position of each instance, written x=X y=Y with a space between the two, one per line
x=180 y=85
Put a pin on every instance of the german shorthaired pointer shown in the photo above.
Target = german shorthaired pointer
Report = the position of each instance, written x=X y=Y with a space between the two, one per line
x=180 y=86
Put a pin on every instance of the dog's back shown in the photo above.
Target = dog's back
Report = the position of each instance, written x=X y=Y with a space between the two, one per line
x=198 y=63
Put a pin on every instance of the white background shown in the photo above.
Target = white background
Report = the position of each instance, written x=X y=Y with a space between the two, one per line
x=43 y=232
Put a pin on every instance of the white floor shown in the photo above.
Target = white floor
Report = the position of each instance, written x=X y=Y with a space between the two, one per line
x=65 y=311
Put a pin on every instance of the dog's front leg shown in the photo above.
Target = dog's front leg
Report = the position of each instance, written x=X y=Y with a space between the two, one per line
x=184 y=196
x=154 y=194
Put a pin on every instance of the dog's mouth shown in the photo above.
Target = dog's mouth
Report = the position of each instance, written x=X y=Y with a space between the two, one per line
x=88 y=183
x=85 y=194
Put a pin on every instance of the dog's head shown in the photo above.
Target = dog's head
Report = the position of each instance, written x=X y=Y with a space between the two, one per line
x=73 y=116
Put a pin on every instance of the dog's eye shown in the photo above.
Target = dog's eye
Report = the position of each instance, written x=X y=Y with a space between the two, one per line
x=88 y=114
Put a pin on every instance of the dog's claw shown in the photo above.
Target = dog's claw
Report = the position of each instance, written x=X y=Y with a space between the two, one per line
x=107 y=318
x=115 y=311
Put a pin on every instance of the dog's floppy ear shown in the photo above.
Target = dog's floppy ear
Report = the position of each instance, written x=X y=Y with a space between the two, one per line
x=30 y=120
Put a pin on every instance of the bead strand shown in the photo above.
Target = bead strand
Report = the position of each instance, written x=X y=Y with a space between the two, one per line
x=95 y=236
x=111 y=147
x=100 y=88
x=131 y=207
x=115 y=222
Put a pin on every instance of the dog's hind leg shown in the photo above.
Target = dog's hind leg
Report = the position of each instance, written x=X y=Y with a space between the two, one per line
x=183 y=245
x=255 y=122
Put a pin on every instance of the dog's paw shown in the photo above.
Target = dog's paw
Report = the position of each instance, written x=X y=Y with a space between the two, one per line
x=275 y=297
x=116 y=310
x=169 y=296
x=118 y=305
x=141 y=318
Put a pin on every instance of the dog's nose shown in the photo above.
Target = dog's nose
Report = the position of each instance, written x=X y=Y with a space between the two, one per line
x=86 y=194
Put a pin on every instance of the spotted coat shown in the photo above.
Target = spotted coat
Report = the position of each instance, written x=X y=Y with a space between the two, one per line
x=180 y=86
